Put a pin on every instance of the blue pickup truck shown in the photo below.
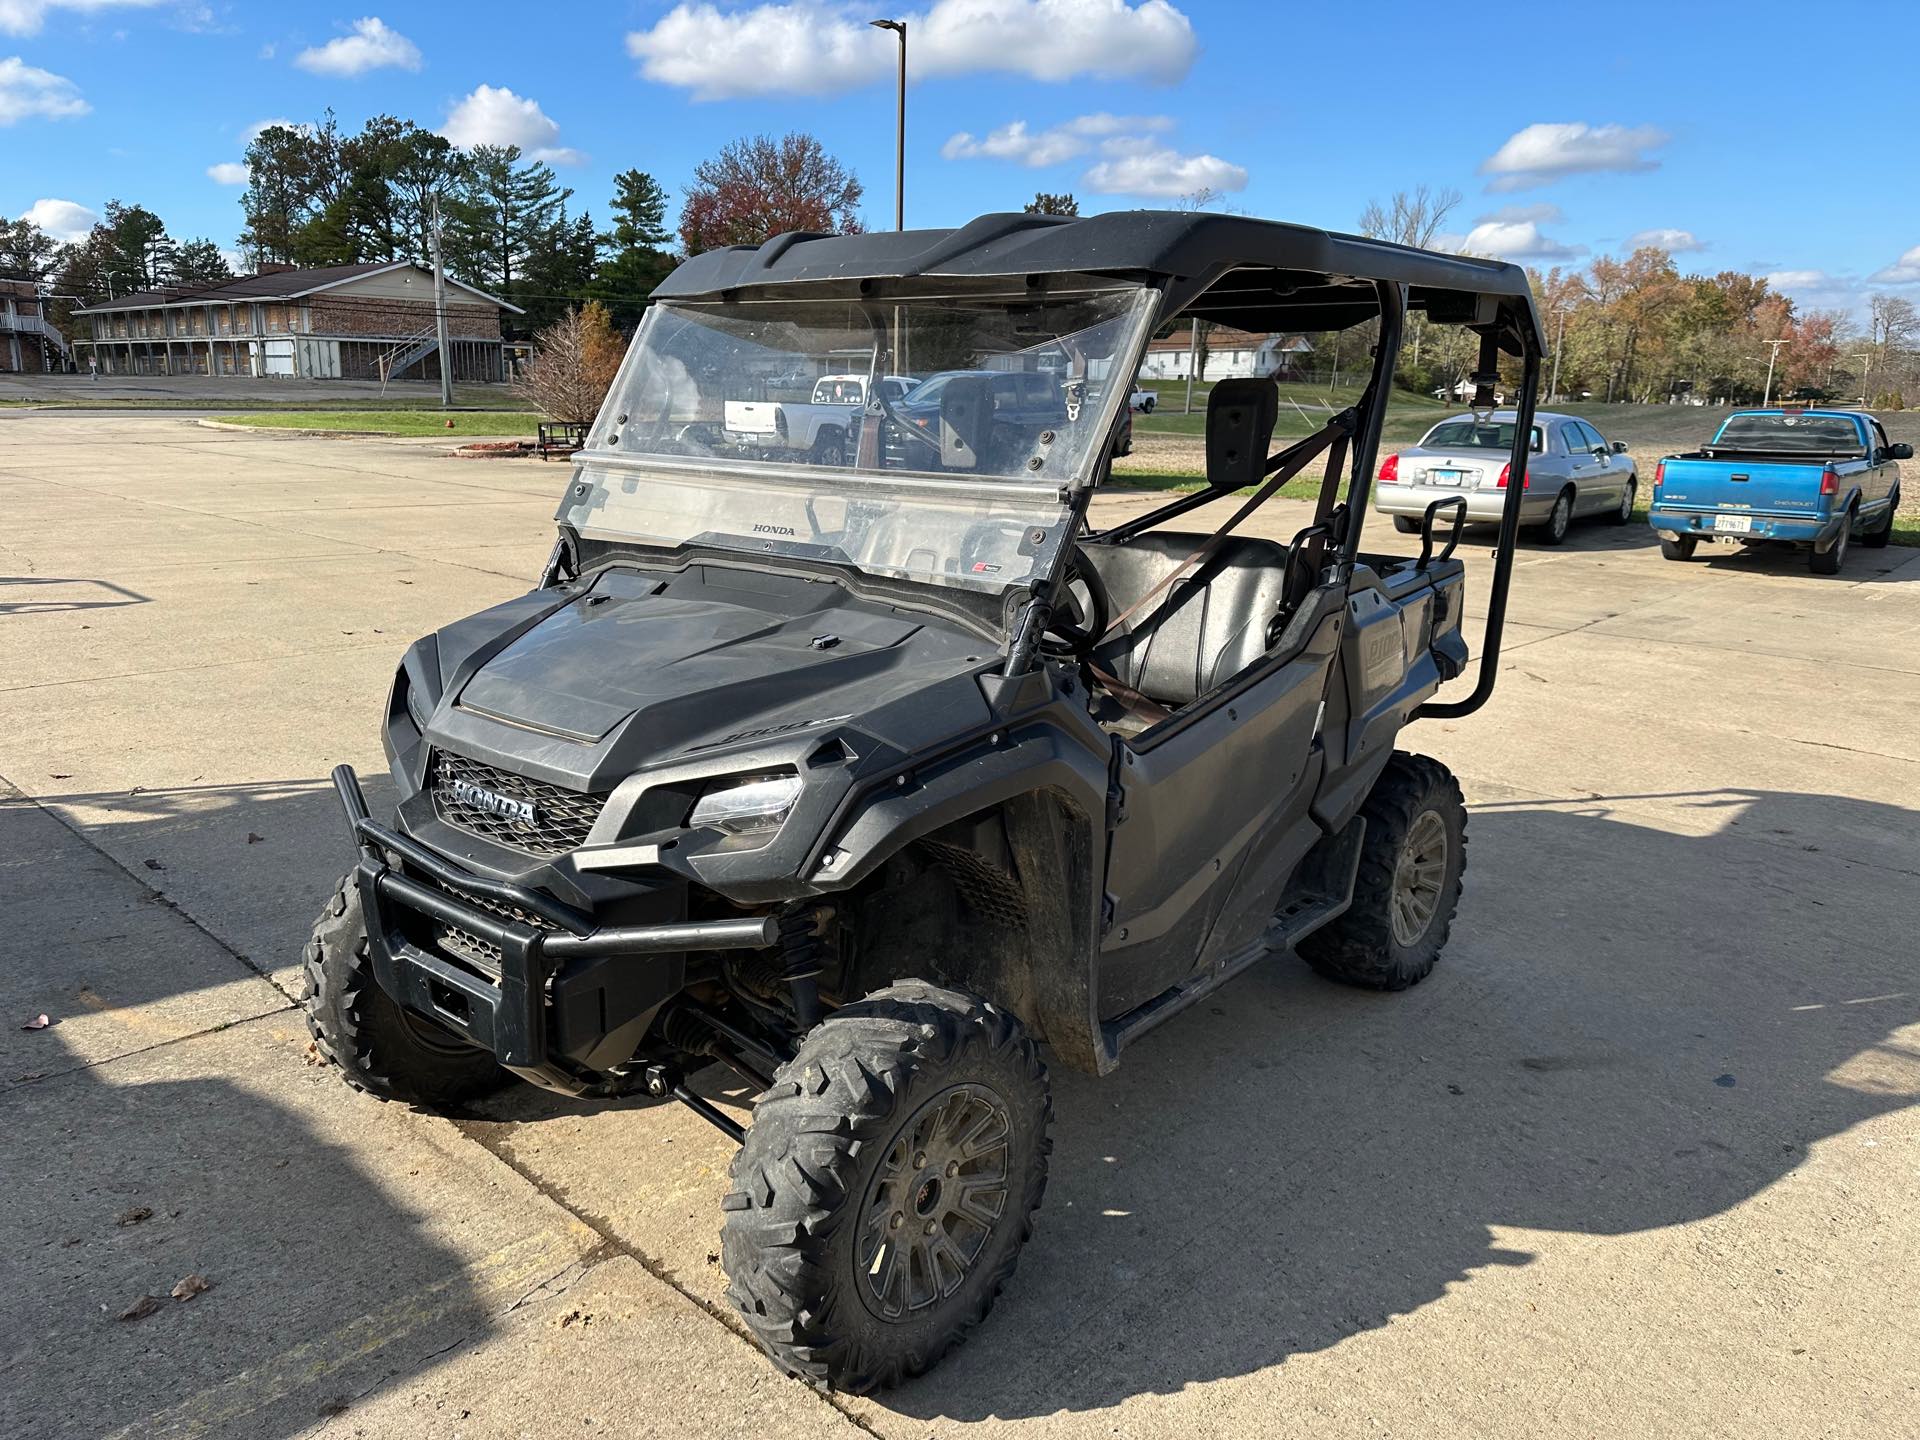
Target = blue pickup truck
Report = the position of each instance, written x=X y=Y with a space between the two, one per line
x=1818 y=478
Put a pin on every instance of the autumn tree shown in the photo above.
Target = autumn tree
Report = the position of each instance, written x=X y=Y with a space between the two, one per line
x=759 y=187
x=574 y=362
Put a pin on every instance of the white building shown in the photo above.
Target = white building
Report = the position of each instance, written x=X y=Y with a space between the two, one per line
x=1231 y=354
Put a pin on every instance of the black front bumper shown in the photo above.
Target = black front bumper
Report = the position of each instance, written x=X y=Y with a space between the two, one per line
x=570 y=999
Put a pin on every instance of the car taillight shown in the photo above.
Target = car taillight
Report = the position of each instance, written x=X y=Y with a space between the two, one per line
x=1829 y=483
x=1506 y=474
x=1659 y=473
x=1390 y=470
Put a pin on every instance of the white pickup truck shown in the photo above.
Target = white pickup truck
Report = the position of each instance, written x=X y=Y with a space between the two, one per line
x=823 y=427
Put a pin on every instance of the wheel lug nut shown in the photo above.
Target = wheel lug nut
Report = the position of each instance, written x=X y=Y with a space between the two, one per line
x=953 y=1168
x=920 y=1160
x=930 y=1227
x=894 y=1223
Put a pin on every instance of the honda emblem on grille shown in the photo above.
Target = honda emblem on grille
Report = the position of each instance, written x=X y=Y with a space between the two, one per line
x=475 y=797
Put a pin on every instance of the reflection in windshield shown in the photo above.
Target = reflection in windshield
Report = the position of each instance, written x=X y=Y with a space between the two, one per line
x=925 y=438
x=1790 y=435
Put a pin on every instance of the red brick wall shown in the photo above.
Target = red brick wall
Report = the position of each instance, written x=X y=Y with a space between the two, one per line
x=344 y=315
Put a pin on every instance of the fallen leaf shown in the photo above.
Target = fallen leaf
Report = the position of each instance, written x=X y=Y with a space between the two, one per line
x=153 y=864
x=253 y=839
x=39 y=1022
x=134 y=1216
x=140 y=1308
x=191 y=1286
x=61 y=774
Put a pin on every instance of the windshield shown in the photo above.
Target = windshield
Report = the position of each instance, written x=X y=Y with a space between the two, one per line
x=1790 y=434
x=929 y=437
x=1471 y=435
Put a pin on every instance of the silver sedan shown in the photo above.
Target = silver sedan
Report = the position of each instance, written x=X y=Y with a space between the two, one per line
x=1571 y=472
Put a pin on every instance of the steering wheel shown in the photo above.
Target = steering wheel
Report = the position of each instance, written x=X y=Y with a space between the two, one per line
x=1083 y=610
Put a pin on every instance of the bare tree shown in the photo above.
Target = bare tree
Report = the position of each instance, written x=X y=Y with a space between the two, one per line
x=573 y=366
x=1410 y=217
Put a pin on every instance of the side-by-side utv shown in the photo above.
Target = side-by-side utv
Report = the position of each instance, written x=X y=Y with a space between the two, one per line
x=869 y=770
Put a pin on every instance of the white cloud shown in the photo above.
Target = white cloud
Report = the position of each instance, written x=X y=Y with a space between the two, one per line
x=1050 y=146
x=1543 y=153
x=1140 y=165
x=1674 y=242
x=373 y=45
x=26 y=90
x=25 y=17
x=825 y=47
x=65 y=220
x=227 y=172
x=494 y=115
x=1516 y=240
x=252 y=132
x=1904 y=271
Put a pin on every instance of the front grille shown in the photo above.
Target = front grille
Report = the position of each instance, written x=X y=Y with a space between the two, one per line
x=491 y=802
x=481 y=953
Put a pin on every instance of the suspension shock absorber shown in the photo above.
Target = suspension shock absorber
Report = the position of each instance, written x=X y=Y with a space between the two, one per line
x=801 y=962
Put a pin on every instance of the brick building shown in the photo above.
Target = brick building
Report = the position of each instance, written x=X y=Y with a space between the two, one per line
x=28 y=341
x=343 y=322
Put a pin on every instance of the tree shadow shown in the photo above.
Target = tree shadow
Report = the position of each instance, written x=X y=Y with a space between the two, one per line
x=1652 y=1040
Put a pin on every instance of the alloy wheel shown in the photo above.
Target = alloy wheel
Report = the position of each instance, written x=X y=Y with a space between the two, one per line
x=1419 y=876
x=942 y=1187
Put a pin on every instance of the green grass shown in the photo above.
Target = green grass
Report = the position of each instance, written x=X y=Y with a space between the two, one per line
x=466 y=423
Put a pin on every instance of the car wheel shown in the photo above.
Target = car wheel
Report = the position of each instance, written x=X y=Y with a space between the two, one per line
x=1412 y=856
x=1829 y=561
x=830 y=448
x=1625 y=512
x=1879 y=538
x=1406 y=524
x=1559 y=519
x=887 y=1185
x=1146 y=407
x=1680 y=549
x=380 y=1046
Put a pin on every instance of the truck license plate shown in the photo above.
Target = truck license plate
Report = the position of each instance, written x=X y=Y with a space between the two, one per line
x=1734 y=524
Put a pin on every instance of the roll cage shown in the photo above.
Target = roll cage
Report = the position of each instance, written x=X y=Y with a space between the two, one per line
x=1233 y=270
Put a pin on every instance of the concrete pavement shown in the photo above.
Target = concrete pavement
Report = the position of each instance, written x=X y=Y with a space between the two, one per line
x=1643 y=1154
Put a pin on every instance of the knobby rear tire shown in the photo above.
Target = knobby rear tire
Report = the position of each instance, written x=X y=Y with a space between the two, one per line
x=1360 y=947
x=791 y=1241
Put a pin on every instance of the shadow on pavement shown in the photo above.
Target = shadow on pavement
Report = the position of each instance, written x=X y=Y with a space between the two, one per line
x=1631 y=1029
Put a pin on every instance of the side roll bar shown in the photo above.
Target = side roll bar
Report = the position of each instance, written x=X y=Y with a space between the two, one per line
x=1373 y=414
x=1503 y=556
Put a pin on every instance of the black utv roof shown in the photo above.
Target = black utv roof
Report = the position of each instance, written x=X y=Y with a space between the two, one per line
x=1254 y=274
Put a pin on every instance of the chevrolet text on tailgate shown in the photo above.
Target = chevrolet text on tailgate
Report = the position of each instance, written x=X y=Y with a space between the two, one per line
x=1802 y=477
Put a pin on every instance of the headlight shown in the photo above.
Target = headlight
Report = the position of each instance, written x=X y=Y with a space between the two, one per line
x=749 y=807
x=417 y=705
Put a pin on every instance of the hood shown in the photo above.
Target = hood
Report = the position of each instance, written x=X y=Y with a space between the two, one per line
x=706 y=656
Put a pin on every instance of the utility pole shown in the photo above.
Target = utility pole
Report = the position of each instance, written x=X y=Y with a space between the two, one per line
x=899 y=27
x=1865 y=374
x=1766 y=395
x=440 y=308
x=1193 y=358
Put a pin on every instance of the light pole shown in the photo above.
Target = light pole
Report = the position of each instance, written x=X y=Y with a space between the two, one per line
x=1866 y=355
x=899 y=27
x=1766 y=395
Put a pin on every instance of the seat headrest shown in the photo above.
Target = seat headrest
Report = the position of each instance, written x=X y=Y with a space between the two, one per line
x=1240 y=418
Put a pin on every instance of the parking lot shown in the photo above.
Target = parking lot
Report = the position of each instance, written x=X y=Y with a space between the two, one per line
x=1642 y=1156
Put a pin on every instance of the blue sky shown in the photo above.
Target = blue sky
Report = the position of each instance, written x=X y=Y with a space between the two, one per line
x=1764 y=136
